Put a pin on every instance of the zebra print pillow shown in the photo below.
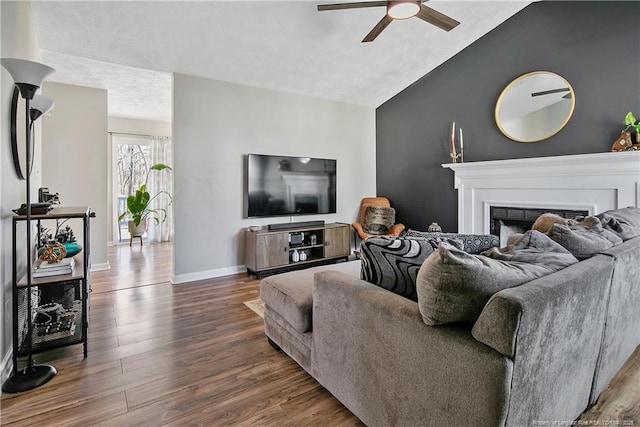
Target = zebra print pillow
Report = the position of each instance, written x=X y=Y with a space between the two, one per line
x=393 y=263
x=472 y=243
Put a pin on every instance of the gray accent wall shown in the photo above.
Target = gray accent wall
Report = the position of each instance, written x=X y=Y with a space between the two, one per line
x=594 y=45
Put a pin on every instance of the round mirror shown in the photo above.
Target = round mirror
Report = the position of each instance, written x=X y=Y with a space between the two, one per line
x=534 y=106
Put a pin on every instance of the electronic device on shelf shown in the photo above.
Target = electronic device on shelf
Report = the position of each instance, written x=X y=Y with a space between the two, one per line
x=45 y=197
x=296 y=238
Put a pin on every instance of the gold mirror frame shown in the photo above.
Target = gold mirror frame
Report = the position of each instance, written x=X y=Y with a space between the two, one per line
x=549 y=88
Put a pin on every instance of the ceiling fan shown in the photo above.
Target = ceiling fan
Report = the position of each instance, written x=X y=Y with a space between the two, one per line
x=397 y=10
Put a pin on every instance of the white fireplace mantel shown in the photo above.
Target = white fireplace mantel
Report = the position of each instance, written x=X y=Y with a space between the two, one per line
x=594 y=182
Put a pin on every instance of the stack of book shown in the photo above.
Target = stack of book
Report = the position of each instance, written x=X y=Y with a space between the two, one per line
x=46 y=269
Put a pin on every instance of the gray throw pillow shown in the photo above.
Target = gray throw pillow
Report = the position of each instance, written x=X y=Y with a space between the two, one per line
x=454 y=286
x=625 y=222
x=378 y=220
x=472 y=243
x=585 y=238
x=393 y=263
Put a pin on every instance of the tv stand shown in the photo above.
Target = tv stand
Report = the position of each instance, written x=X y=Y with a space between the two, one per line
x=269 y=251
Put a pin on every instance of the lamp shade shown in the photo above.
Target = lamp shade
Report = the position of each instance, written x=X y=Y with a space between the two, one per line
x=40 y=105
x=27 y=75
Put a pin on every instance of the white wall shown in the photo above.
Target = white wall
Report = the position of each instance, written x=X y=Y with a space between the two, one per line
x=215 y=125
x=18 y=40
x=74 y=152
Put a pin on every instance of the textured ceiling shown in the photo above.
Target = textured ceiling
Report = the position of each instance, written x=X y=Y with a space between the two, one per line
x=286 y=46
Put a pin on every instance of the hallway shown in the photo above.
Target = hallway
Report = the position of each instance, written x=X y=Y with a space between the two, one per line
x=134 y=266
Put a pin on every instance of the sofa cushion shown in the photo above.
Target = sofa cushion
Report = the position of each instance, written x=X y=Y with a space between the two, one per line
x=625 y=222
x=290 y=294
x=473 y=243
x=378 y=219
x=453 y=286
x=393 y=263
x=584 y=238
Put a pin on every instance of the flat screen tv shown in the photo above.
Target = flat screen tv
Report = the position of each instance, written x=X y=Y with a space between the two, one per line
x=285 y=186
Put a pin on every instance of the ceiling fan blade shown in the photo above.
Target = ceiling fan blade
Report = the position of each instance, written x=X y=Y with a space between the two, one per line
x=355 y=5
x=436 y=18
x=386 y=20
x=549 y=92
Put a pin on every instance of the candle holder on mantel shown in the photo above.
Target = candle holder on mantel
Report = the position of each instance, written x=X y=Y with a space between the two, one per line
x=455 y=157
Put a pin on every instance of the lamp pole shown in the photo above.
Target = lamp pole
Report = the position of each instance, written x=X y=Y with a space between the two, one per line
x=28 y=76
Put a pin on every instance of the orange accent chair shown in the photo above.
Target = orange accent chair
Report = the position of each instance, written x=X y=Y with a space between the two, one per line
x=394 y=231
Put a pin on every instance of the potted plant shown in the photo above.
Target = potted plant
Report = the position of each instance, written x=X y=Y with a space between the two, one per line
x=631 y=123
x=138 y=209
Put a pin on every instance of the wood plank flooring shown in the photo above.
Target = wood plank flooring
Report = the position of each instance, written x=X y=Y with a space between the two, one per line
x=194 y=354
x=174 y=355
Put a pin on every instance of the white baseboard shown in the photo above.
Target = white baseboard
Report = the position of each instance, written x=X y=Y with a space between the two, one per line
x=210 y=274
x=7 y=365
x=100 y=267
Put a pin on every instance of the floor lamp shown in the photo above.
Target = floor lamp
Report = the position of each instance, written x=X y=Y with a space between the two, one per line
x=28 y=77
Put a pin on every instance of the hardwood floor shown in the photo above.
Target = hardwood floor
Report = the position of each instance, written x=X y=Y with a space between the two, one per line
x=194 y=354
x=162 y=354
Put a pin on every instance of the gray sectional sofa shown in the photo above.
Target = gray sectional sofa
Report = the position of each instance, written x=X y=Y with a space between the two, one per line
x=539 y=352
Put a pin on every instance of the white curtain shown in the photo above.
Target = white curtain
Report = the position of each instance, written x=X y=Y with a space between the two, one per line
x=161 y=152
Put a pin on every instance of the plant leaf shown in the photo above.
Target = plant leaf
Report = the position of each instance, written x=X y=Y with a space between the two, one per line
x=160 y=166
x=629 y=119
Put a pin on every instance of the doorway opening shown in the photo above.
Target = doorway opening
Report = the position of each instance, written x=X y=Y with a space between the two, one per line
x=132 y=158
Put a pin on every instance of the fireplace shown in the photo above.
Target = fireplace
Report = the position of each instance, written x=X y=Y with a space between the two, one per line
x=507 y=220
x=584 y=184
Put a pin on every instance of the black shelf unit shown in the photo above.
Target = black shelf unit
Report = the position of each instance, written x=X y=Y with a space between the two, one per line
x=60 y=304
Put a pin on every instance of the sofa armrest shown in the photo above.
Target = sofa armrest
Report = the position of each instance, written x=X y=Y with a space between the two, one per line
x=552 y=328
x=374 y=353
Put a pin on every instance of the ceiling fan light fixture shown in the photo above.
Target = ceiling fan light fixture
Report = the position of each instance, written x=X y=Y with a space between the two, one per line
x=402 y=9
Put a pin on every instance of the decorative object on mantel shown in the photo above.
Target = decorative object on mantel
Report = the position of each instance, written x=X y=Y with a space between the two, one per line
x=434 y=228
x=623 y=143
x=631 y=122
x=454 y=154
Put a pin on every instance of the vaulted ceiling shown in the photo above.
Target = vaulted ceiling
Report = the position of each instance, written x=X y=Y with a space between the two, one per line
x=131 y=48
